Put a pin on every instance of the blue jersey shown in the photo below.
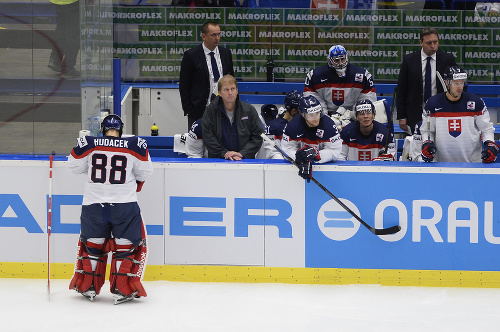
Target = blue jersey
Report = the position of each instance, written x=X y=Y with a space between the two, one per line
x=356 y=146
x=325 y=137
x=277 y=126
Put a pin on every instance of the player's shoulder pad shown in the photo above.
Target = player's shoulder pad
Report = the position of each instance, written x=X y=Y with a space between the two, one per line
x=348 y=131
x=330 y=130
x=83 y=144
x=137 y=144
x=379 y=127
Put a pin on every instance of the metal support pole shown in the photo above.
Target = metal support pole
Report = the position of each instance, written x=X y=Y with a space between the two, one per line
x=117 y=77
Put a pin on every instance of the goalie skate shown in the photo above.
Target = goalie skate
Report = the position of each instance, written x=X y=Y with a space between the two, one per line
x=122 y=298
x=90 y=293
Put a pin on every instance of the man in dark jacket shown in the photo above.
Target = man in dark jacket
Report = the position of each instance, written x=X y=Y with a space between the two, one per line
x=411 y=96
x=231 y=128
x=201 y=68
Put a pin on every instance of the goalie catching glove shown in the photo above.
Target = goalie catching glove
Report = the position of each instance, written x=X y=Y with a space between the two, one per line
x=307 y=154
x=428 y=151
x=490 y=151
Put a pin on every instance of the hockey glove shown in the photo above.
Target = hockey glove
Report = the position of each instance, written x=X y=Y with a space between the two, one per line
x=428 y=151
x=338 y=117
x=384 y=157
x=139 y=185
x=490 y=151
x=306 y=154
x=305 y=170
x=338 y=121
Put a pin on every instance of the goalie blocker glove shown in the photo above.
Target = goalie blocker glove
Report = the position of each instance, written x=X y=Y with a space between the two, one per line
x=307 y=154
x=490 y=151
x=305 y=170
x=428 y=151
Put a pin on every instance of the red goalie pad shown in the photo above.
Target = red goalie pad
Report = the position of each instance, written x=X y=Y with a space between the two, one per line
x=86 y=281
x=127 y=280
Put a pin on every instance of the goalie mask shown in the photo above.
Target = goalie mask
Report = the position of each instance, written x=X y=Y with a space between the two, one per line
x=292 y=100
x=112 y=121
x=338 y=59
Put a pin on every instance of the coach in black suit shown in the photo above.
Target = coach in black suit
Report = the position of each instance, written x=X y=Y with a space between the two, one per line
x=201 y=70
x=410 y=93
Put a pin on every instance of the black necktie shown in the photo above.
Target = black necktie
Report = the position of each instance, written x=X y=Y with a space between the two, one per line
x=427 y=92
x=215 y=69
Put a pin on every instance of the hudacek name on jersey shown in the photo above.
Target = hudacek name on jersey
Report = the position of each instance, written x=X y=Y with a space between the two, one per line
x=111 y=142
x=88 y=143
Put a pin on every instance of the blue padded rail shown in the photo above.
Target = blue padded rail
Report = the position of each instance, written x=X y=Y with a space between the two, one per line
x=162 y=146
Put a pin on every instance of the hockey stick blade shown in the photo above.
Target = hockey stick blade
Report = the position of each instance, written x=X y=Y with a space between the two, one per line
x=376 y=231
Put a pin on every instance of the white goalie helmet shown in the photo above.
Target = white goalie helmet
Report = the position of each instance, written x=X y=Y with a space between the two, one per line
x=338 y=59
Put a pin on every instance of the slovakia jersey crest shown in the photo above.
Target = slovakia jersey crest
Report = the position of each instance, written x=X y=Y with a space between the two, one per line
x=320 y=133
x=364 y=155
x=471 y=105
x=337 y=95
x=358 y=77
x=379 y=137
x=455 y=127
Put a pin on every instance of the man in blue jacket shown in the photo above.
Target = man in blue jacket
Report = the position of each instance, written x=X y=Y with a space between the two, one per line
x=231 y=127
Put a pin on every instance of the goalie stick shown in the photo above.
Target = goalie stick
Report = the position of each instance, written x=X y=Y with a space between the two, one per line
x=391 y=120
x=376 y=231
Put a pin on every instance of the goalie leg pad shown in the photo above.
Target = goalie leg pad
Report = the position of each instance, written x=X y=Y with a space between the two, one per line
x=127 y=268
x=87 y=280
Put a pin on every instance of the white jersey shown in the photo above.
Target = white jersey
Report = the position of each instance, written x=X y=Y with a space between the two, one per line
x=457 y=127
x=113 y=165
x=333 y=91
x=412 y=147
x=194 y=142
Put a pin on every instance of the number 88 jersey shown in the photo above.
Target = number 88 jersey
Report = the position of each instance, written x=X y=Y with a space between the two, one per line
x=113 y=165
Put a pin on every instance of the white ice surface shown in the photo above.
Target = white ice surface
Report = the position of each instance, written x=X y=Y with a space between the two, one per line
x=237 y=307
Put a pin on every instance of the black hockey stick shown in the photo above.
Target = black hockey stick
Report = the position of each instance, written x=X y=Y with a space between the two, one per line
x=376 y=231
x=391 y=120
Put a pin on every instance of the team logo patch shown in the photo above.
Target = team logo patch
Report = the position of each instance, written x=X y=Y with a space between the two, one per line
x=338 y=97
x=358 y=78
x=455 y=127
x=364 y=155
x=471 y=105
x=82 y=142
x=320 y=133
x=379 y=137
x=244 y=118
